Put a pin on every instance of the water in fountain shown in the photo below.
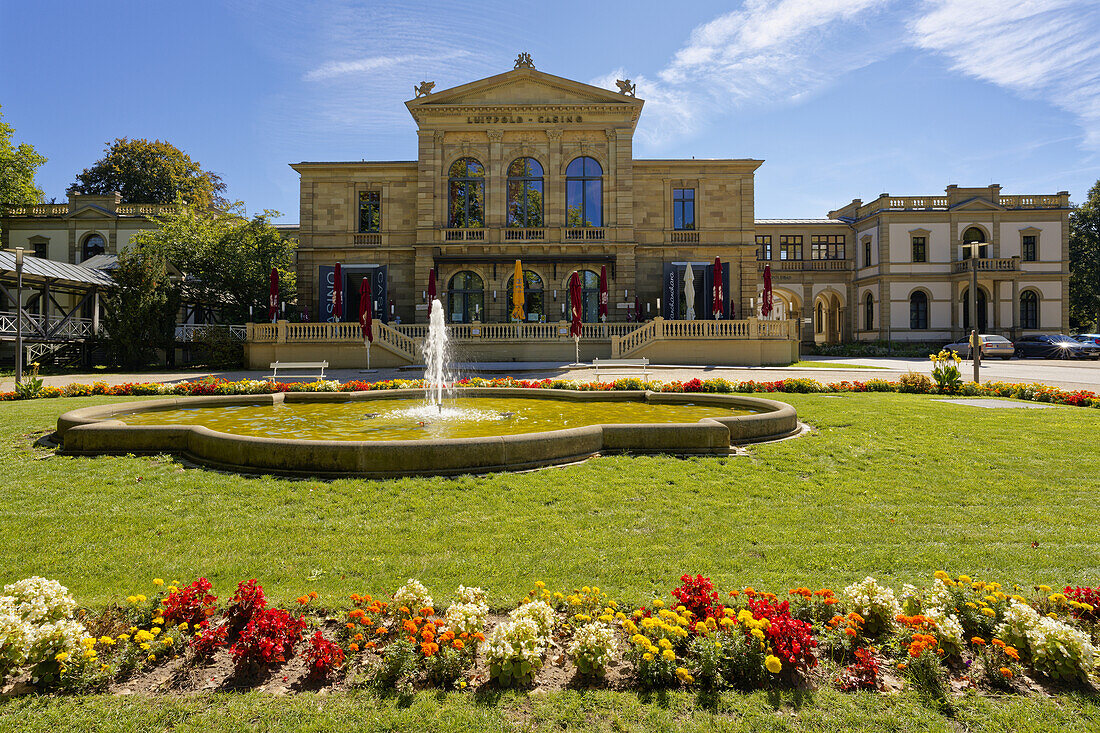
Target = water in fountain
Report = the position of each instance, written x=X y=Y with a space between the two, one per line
x=435 y=357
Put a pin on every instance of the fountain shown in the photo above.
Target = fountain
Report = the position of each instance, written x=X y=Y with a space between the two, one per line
x=401 y=432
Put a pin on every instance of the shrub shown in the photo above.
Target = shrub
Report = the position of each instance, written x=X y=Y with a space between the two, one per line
x=413 y=595
x=246 y=603
x=592 y=649
x=924 y=670
x=37 y=629
x=216 y=347
x=876 y=604
x=191 y=605
x=323 y=656
x=914 y=383
x=208 y=639
x=398 y=663
x=513 y=652
x=466 y=618
x=698 y=596
x=540 y=614
x=861 y=674
x=269 y=638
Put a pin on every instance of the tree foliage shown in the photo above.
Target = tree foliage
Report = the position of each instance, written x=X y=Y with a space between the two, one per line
x=18 y=164
x=1084 y=262
x=225 y=257
x=151 y=172
x=140 y=311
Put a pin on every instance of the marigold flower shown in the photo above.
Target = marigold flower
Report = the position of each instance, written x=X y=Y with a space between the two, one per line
x=313 y=595
x=669 y=655
x=349 y=626
x=1006 y=673
x=851 y=632
x=648 y=657
x=158 y=581
x=358 y=637
x=684 y=675
x=458 y=644
x=1011 y=652
x=353 y=647
x=303 y=600
x=773 y=664
x=978 y=641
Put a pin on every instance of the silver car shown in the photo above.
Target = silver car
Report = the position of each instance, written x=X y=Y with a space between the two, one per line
x=992 y=345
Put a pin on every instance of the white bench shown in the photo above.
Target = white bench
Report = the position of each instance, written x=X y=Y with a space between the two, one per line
x=620 y=365
x=315 y=369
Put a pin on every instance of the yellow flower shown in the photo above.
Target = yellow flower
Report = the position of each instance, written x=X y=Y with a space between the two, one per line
x=639 y=639
x=964 y=579
x=539 y=584
x=145 y=647
x=648 y=657
x=684 y=675
x=167 y=641
x=158 y=581
x=613 y=605
x=88 y=642
x=62 y=656
x=89 y=653
x=1045 y=589
x=123 y=637
x=183 y=626
x=758 y=634
x=664 y=644
x=658 y=603
x=669 y=655
x=131 y=599
x=151 y=657
x=772 y=663
x=141 y=598
x=989 y=612
x=106 y=641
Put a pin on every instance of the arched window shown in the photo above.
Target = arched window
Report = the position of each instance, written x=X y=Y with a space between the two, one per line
x=590 y=297
x=533 y=306
x=918 y=310
x=1029 y=309
x=466 y=194
x=93 y=245
x=584 y=193
x=525 y=193
x=982 y=317
x=869 y=313
x=974 y=234
x=465 y=297
x=820 y=318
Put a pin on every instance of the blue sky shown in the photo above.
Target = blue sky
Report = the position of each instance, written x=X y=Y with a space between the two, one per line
x=842 y=98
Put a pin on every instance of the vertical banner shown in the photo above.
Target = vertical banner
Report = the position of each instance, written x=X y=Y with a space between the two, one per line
x=671 y=289
x=380 y=293
x=325 y=287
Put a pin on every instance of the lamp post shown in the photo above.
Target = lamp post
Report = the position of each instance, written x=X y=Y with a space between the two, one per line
x=18 y=315
x=975 y=337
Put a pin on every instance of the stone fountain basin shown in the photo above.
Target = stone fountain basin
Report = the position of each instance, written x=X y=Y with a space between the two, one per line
x=96 y=431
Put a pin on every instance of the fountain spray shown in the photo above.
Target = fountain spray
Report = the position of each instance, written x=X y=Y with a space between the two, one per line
x=435 y=357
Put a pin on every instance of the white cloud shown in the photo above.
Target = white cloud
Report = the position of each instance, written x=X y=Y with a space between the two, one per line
x=358 y=66
x=765 y=52
x=1041 y=49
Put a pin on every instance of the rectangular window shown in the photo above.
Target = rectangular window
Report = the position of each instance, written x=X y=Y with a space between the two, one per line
x=867 y=252
x=827 y=247
x=790 y=246
x=920 y=249
x=683 y=208
x=41 y=250
x=1029 y=244
x=763 y=246
x=370 y=211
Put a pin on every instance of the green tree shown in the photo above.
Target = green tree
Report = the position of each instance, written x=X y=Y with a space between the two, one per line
x=1084 y=262
x=154 y=172
x=225 y=257
x=140 y=311
x=18 y=164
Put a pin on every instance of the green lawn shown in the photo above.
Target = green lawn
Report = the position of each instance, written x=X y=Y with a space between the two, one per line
x=895 y=486
x=830 y=365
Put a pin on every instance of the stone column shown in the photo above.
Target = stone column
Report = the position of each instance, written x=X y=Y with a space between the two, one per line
x=554 y=183
x=494 y=190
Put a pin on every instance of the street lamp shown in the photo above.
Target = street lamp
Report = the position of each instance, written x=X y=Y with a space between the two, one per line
x=975 y=337
x=18 y=314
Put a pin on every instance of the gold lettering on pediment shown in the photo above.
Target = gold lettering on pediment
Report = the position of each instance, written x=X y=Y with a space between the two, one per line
x=517 y=119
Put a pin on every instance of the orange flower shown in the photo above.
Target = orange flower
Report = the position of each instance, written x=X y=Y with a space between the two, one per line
x=457 y=644
x=903 y=665
x=369 y=645
x=851 y=632
x=734 y=593
x=427 y=611
x=428 y=648
x=350 y=625
x=313 y=595
x=479 y=636
x=303 y=600
x=353 y=647
x=409 y=626
x=380 y=630
x=358 y=637
x=997 y=642
x=830 y=601
x=978 y=641
x=1011 y=651
x=427 y=634
x=404 y=610
x=1006 y=673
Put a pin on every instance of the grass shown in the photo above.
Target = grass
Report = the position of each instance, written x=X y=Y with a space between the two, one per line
x=825 y=711
x=830 y=365
x=895 y=486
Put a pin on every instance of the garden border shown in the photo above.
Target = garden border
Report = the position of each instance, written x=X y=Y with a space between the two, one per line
x=96 y=431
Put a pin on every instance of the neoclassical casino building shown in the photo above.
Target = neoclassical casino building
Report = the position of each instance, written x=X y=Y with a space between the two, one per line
x=530 y=166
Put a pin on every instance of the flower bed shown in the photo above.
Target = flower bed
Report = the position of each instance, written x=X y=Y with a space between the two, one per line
x=203 y=387
x=956 y=633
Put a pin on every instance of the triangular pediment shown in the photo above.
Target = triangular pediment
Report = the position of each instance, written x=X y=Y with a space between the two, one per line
x=523 y=87
x=977 y=204
x=91 y=211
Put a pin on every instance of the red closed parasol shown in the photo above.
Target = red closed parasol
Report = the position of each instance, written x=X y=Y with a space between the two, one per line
x=637 y=310
x=716 y=294
x=337 y=293
x=366 y=312
x=766 y=299
x=431 y=286
x=576 y=307
x=603 y=293
x=273 y=296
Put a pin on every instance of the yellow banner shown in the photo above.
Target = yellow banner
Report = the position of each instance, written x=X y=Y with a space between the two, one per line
x=517 y=293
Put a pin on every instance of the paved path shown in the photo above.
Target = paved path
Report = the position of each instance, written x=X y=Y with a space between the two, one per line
x=1063 y=374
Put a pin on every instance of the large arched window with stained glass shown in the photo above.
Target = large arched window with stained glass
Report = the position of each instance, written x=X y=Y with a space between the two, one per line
x=466 y=194
x=465 y=297
x=584 y=193
x=525 y=187
x=533 y=302
x=590 y=297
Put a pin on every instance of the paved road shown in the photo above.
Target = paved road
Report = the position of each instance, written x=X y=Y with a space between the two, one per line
x=1064 y=374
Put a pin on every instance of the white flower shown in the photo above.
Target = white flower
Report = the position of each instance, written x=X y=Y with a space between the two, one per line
x=469 y=595
x=468 y=618
x=875 y=603
x=413 y=595
x=593 y=647
x=41 y=600
x=514 y=641
x=540 y=613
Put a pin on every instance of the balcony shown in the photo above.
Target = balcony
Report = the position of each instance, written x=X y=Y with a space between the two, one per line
x=368 y=240
x=515 y=234
x=464 y=235
x=987 y=264
x=804 y=265
x=684 y=237
x=584 y=234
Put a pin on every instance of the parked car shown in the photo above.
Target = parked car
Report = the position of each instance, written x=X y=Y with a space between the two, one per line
x=1087 y=338
x=992 y=345
x=1055 y=346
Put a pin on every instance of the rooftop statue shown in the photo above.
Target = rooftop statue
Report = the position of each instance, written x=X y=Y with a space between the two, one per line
x=625 y=87
x=523 y=61
x=424 y=88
